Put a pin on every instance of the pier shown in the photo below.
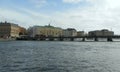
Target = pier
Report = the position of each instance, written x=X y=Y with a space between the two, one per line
x=62 y=38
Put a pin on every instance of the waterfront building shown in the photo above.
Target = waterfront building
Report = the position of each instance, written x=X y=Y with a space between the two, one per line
x=69 y=32
x=103 y=32
x=22 y=31
x=45 y=31
x=80 y=33
x=9 y=30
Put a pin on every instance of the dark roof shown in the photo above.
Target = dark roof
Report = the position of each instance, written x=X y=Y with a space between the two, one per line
x=7 y=24
x=71 y=29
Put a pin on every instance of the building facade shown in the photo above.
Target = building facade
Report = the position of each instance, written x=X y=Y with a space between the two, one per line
x=23 y=31
x=80 y=33
x=9 y=30
x=44 y=30
x=69 y=32
x=103 y=32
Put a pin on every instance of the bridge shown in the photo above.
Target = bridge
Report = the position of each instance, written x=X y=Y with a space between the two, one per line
x=71 y=38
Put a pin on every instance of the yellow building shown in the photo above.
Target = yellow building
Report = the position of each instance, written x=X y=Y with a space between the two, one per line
x=45 y=30
x=9 y=30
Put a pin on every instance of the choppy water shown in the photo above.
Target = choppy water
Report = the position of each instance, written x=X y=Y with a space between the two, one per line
x=35 y=56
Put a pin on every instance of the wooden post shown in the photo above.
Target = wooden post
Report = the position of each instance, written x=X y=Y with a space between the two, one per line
x=96 y=39
x=83 y=39
x=51 y=39
x=109 y=39
x=61 y=39
x=71 y=39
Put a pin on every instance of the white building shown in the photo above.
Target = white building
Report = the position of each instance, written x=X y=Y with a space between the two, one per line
x=103 y=32
x=69 y=32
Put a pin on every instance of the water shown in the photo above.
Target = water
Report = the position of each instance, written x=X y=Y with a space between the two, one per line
x=36 y=56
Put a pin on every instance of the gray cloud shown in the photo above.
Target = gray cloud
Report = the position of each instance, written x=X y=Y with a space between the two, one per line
x=38 y=3
x=101 y=14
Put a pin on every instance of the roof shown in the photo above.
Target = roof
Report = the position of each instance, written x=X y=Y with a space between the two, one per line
x=7 y=24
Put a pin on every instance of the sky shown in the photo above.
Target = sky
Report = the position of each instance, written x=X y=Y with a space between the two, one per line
x=82 y=15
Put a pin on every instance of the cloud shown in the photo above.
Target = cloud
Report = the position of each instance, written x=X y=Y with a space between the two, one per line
x=25 y=18
x=72 y=1
x=99 y=14
x=39 y=3
x=14 y=16
x=113 y=3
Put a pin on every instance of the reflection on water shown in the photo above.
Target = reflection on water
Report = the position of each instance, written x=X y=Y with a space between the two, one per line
x=35 y=56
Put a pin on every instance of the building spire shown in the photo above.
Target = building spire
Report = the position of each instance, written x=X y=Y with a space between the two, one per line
x=49 y=24
x=5 y=22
